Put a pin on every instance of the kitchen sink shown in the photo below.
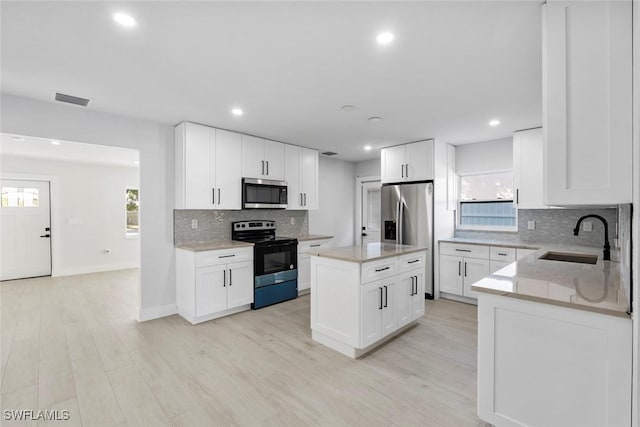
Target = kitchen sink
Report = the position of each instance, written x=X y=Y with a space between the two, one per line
x=568 y=257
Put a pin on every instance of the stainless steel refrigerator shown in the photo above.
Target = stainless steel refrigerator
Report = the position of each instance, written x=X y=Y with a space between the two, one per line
x=407 y=218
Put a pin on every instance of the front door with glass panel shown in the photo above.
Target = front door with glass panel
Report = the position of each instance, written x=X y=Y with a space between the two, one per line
x=371 y=204
x=25 y=229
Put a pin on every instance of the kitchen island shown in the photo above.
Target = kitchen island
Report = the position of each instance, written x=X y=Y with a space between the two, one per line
x=362 y=296
x=555 y=341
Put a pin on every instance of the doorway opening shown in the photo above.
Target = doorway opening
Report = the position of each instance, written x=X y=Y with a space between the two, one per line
x=368 y=205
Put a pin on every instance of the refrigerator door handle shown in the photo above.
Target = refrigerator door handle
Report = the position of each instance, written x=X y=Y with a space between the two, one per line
x=401 y=232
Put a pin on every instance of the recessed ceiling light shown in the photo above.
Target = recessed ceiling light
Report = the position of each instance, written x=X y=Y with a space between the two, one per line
x=17 y=138
x=367 y=148
x=237 y=112
x=124 y=20
x=54 y=142
x=494 y=122
x=375 y=119
x=347 y=108
x=384 y=38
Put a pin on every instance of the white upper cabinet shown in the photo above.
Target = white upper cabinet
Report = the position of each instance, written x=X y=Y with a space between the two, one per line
x=452 y=179
x=587 y=102
x=528 y=181
x=262 y=159
x=407 y=162
x=301 y=175
x=207 y=174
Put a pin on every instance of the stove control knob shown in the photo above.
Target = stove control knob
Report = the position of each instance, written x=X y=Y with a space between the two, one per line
x=291 y=267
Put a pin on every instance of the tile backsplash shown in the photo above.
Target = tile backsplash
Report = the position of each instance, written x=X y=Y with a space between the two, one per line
x=554 y=226
x=216 y=224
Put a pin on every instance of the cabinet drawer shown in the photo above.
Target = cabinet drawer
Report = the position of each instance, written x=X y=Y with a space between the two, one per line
x=465 y=250
x=380 y=269
x=411 y=261
x=312 y=245
x=502 y=254
x=223 y=256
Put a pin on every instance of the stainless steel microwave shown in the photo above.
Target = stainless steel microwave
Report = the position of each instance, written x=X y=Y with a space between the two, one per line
x=263 y=194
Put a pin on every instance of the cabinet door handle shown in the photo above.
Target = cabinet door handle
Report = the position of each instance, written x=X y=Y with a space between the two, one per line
x=386 y=296
x=267 y=167
x=459 y=267
x=224 y=278
x=517 y=196
x=382 y=269
x=416 y=286
x=226 y=256
x=213 y=196
x=380 y=306
x=414 y=261
x=315 y=246
x=219 y=196
x=300 y=199
x=412 y=277
x=463 y=250
x=262 y=168
x=502 y=254
x=406 y=170
x=465 y=269
x=402 y=171
x=305 y=199
x=230 y=278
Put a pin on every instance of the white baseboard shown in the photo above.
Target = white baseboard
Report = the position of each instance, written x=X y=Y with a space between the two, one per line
x=156 y=312
x=59 y=272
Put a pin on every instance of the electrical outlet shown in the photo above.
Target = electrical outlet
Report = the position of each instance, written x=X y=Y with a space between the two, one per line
x=587 y=226
x=293 y=221
x=194 y=224
x=531 y=225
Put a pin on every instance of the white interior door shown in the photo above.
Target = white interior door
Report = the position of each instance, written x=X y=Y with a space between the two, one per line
x=25 y=236
x=371 y=205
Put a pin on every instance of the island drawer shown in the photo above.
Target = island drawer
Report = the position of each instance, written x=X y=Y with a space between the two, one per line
x=465 y=250
x=502 y=254
x=223 y=256
x=379 y=269
x=312 y=245
x=411 y=261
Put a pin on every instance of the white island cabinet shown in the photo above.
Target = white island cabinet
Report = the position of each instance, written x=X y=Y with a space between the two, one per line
x=361 y=296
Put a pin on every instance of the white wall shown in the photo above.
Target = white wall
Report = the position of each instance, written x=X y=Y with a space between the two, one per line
x=336 y=215
x=486 y=156
x=89 y=205
x=636 y=210
x=368 y=168
x=23 y=116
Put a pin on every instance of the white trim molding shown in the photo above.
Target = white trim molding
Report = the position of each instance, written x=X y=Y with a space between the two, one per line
x=95 y=269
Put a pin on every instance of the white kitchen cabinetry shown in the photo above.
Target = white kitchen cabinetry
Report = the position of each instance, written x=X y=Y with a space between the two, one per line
x=407 y=162
x=587 y=102
x=207 y=163
x=452 y=179
x=304 y=261
x=301 y=175
x=356 y=306
x=212 y=284
x=262 y=158
x=528 y=179
x=458 y=273
x=543 y=365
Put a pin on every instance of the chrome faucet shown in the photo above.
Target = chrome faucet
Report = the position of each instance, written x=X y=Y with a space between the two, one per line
x=607 y=248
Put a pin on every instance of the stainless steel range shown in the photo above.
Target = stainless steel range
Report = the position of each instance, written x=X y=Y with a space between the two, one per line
x=275 y=261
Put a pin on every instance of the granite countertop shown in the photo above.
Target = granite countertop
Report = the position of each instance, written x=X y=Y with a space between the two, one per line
x=306 y=237
x=494 y=242
x=599 y=288
x=368 y=252
x=214 y=245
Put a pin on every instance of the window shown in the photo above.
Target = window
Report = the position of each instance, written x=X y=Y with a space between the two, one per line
x=486 y=202
x=133 y=214
x=13 y=197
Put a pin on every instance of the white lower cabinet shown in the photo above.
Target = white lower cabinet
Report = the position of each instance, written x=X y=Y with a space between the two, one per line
x=304 y=261
x=352 y=311
x=473 y=270
x=212 y=284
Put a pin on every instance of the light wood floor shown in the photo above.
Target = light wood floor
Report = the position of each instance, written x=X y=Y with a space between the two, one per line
x=71 y=343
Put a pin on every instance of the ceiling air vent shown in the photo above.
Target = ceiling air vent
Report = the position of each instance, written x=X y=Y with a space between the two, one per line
x=69 y=99
x=329 y=153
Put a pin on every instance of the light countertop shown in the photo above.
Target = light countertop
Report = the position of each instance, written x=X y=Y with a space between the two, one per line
x=599 y=287
x=214 y=245
x=368 y=252
x=494 y=242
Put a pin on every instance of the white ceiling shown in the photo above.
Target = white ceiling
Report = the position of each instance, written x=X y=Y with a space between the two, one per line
x=452 y=67
x=26 y=146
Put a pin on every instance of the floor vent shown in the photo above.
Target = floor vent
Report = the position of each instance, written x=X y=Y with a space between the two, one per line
x=329 y=153
x=69 y=99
